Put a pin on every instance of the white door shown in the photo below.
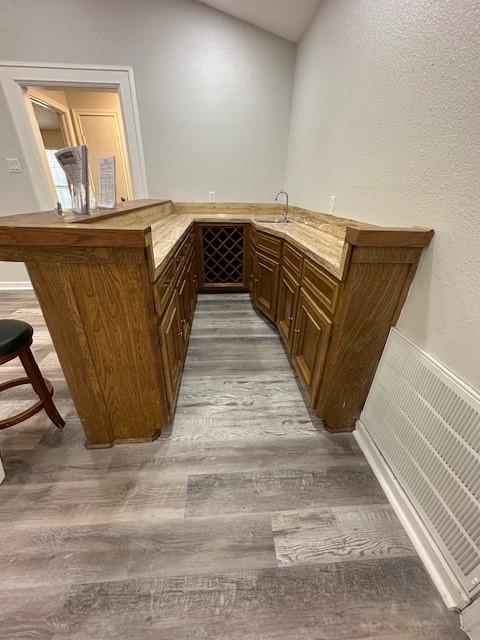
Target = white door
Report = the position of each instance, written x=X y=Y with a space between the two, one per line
x=103 y=132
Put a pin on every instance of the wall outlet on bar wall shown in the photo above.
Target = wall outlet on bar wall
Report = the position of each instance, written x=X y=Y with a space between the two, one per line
x=211 y=196
x=332 y=204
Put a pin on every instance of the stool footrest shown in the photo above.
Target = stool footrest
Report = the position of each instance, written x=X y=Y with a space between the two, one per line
x=31 y=411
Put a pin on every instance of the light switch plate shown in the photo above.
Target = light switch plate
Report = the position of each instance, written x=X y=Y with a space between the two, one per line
x=14 y=165
x=211 y=196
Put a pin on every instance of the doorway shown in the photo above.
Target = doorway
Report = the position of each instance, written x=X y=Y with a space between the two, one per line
x=70 y=116
x=16 y=78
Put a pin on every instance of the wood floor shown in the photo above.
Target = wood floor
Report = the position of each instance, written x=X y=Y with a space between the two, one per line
x=246 y=521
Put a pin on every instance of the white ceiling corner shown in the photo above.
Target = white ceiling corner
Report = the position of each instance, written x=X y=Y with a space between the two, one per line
x=285 y=18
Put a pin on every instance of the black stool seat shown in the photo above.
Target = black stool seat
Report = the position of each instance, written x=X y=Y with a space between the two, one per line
x=14 y=334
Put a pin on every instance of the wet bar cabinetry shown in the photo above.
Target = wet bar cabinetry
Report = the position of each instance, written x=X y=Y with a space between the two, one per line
x=175 y=296
x=118 y=292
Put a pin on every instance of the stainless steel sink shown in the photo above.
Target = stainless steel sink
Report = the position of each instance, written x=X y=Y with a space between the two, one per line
x=265 y=221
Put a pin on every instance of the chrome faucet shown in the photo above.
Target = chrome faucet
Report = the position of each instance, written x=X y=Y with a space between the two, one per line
x=285 y=211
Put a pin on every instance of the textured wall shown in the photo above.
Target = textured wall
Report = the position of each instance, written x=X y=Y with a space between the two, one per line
x=385 y=117
x=214 y=93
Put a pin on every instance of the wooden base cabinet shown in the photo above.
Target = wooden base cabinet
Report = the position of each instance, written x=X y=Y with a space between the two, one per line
x=333 y=330
x=172 y=348
x=250 y=268
x=310 y=343
x=288 y=290
x=266 y=284
x=176 y=300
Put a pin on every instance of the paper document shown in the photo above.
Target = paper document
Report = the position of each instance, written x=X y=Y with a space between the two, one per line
x=107 y=197
x=74 y=161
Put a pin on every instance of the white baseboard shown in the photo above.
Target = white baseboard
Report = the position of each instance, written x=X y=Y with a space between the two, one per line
x=453 y=594
x=471 y=620
x=15 y=285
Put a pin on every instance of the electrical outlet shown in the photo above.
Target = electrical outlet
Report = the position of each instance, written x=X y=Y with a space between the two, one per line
x=14 y=165
x=332 y=203
x=211 y=196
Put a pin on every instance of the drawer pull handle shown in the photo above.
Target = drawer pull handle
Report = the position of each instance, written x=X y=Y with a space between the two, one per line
x=297 y=330
x=290 y=318
x=256 y=279
x=180 y=333
x=183 y=320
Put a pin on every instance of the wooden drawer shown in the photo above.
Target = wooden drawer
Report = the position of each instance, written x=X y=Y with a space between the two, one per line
x=323 y=288
x=181 y=257
x=163 y=287
x=292 y=260
x=268 y=244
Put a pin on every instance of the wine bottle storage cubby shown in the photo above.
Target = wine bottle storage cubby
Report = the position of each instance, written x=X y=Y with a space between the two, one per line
x=223 y=249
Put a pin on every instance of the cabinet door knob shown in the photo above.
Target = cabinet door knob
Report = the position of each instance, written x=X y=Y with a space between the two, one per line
x=290 y=318
x=183 y=320
x=180 y=333
x=297 y=330
x=256 y=279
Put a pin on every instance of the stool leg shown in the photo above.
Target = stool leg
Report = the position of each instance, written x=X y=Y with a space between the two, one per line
x=38 y=383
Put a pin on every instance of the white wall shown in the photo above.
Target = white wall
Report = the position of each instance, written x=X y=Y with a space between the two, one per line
x=385 y=116
x=214 y=93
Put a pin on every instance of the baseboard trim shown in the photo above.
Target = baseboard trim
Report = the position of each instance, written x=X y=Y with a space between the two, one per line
x=453 y=594
x=16 y=285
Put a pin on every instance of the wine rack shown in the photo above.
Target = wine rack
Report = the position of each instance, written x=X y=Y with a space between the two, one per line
x=223 y=249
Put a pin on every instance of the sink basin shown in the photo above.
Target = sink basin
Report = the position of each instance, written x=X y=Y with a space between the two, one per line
x=265 y=221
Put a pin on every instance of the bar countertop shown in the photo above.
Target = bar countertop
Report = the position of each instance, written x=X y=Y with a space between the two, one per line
x=161 y=223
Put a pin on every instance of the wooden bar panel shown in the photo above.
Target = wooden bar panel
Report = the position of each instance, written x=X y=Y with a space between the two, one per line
x=103 y=325
x=367 y=310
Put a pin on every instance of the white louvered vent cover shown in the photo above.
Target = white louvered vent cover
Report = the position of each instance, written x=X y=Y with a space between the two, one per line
x=426 y=424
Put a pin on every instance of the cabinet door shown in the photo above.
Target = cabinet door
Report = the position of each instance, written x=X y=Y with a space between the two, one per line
x=172 y=347
x=192 y=275
x=288 y=290
x=310 y=343
x=266 y=282
x=250 y=269
x=185 y=297
x=195 y=265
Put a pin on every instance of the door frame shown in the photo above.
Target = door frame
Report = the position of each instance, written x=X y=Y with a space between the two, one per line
x=62 y=111
x=16 y=76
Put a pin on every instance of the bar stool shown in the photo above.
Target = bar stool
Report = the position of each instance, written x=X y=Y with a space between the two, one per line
x=15 y=340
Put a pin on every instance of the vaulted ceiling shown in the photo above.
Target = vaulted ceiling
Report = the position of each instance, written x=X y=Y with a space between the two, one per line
x=285 y=18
